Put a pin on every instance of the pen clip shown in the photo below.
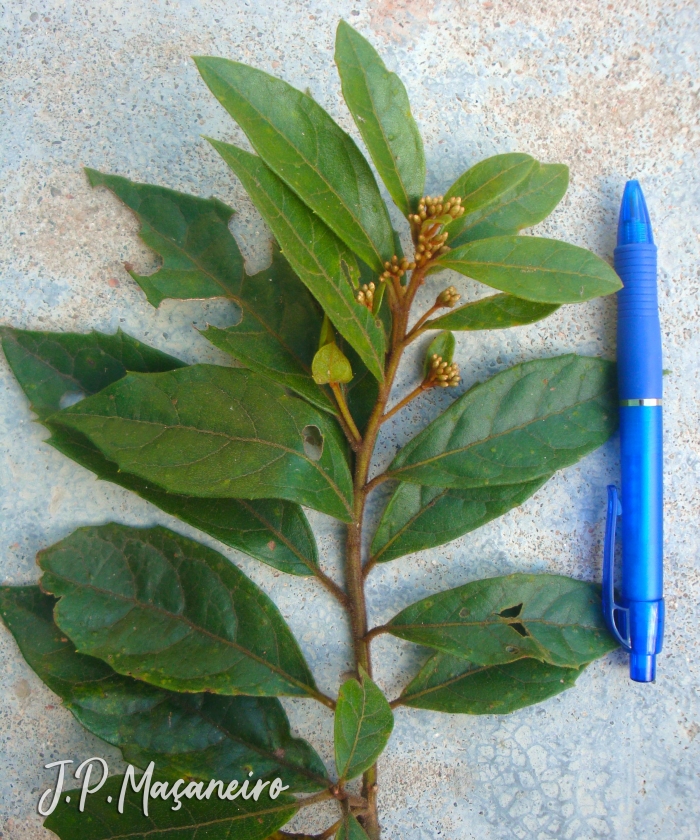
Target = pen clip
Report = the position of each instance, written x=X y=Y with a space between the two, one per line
x=609 y=605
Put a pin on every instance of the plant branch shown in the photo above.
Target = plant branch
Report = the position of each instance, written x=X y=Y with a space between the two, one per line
x=330 y=585
x=347 y=423
x=322 y=796
x=416 y=392
x=376 y=631
x=416 y=330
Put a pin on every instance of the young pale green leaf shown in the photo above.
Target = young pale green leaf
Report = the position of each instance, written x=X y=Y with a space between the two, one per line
x=448 y=684
x=171 y=612
x=201 y=259
x=486 y=183
x=350 y=829
x=533 y=268
x=550 y=618
x=379 y=105
x=331 y=365
x=205 y=736
x=524 y=423
x=363 y=724
x=325 y=265
x=219 y=433
x=442 y=345
x=525 y=204
x=212 y=818
x=53 y=367
x=496 y=312
x=420 y=517
x=304 y=147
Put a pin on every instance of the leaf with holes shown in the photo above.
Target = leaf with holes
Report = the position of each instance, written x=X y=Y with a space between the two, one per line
x=449 y=684
x=420 y=517
x=205 y=736
x=164 y=609
x=379 y=105
x=304 y=147
x=324 y=264
x=551 y=618
x=218 y=432
x=496 y=312
x=522 y=424
x=212 y=817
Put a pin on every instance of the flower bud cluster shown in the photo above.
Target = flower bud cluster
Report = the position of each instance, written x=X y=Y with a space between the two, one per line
x=448 y=297
x=441 y=374
x=396 y=268
x=365 y=295
x=436 y=209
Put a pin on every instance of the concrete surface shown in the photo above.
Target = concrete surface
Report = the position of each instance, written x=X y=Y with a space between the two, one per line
x=609 y=88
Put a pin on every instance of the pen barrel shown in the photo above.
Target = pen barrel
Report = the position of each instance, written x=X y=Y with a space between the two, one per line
x=639 y=369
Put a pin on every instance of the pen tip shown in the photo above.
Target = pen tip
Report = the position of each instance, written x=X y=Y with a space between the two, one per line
x=634 y=224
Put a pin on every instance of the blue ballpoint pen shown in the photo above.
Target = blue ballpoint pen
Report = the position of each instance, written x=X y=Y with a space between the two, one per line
x=637 y=621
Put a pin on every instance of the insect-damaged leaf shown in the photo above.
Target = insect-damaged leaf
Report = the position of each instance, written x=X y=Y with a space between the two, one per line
x=205 y=736
x=363 y=724
x=420 y=517
x=162 y=608
x=213 y=818
x=52 y=366
x=325 y=264
x=201 y=259
x=218 y=432
x=524 y=423
x=448 y=684
x=551 y=618
x=304 y=147
x=379 y=105
x=493 y=313
x=533 y=268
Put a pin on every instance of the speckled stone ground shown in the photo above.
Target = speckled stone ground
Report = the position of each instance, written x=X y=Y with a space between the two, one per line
x=609 y=88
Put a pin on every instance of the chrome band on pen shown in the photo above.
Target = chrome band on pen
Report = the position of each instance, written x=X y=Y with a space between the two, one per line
x=641 y=402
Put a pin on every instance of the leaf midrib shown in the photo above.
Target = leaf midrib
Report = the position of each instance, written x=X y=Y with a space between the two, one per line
x=485 y=184
x=360 y=717
x=408 y=524
x=491 y=623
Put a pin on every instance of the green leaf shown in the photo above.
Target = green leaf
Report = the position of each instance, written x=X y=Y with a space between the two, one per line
x=324 y=264
x=379 y=105
x=533 y=268
x=550 y=618
x=164 y=609
x=493 y=313
x=448 y=684
x=528 y=202
x=524 y=423
x=442 y=345
x=210 y=818
x=53 y=366
x=201 y=259
x=350 y=829
x=218 y=432
x=363 y=724
x=205 y=736
x=420 y=517
x=304 y=147
x=331 y=365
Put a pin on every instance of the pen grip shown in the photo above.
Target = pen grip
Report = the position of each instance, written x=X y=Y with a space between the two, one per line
x=639 y=367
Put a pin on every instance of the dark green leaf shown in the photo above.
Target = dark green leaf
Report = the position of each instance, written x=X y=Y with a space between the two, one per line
x=493 y=313
x=533 y=268
x=363 y=724
x=528 y=202
x=205 y=736
x=379 y=105
x=442 y=345
x=350 y=829
x=56 y=368
x=550 y=618
x=210 y=819
x=448 y=684
x=362 y=391
x=524 y=423
x=164 y=609
x=331 y=365
x=324 y=264
x=304 y=147
x=217 y=432
x=52 y=366
x=420 y=517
